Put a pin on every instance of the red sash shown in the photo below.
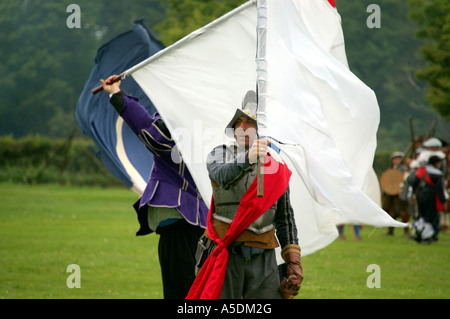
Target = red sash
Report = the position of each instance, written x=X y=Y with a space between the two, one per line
x=208 y=283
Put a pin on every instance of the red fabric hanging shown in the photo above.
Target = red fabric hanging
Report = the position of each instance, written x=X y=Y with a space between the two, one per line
x=208 y=283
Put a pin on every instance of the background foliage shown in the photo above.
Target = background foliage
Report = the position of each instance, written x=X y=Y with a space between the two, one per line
x=36 y=159
x=45 y=64
x=433 y=19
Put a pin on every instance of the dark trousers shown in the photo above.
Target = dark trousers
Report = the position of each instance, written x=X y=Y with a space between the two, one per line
x=176 y=250
x=254 y=278
x=426 y=202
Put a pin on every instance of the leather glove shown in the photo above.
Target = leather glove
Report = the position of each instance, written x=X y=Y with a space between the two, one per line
x=290 y=286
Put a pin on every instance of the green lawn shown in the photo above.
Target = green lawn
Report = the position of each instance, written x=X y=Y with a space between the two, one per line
x=407 y=269
x=43 y=229
x=46 y=228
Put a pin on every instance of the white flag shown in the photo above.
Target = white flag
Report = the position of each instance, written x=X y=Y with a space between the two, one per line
x=325 y=118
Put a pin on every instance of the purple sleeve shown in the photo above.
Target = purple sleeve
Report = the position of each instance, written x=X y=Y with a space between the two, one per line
x=149 y=128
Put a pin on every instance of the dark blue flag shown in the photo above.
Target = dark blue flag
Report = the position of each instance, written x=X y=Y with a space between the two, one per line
x=120 y=150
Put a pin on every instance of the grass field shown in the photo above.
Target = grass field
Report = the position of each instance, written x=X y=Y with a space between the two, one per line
x=46 y=228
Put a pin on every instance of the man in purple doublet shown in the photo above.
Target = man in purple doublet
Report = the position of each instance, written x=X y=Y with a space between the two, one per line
x=171 y=205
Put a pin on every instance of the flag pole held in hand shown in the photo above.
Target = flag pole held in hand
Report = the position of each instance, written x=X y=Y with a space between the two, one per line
x=261 y=29
x=114 y=80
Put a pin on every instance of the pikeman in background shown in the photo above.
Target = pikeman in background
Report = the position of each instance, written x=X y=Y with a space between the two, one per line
x=393 y=198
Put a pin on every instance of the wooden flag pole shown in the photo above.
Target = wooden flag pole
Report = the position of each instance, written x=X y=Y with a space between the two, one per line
x=116 y=79
x=261 y=28
x=260 y=176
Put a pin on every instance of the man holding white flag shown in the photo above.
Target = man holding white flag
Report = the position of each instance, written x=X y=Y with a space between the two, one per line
x=242 y=225
x=323 y=117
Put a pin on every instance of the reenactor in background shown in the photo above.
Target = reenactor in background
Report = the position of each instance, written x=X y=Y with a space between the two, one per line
x=438 y=148
x=394 y=198
x=428 y=185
